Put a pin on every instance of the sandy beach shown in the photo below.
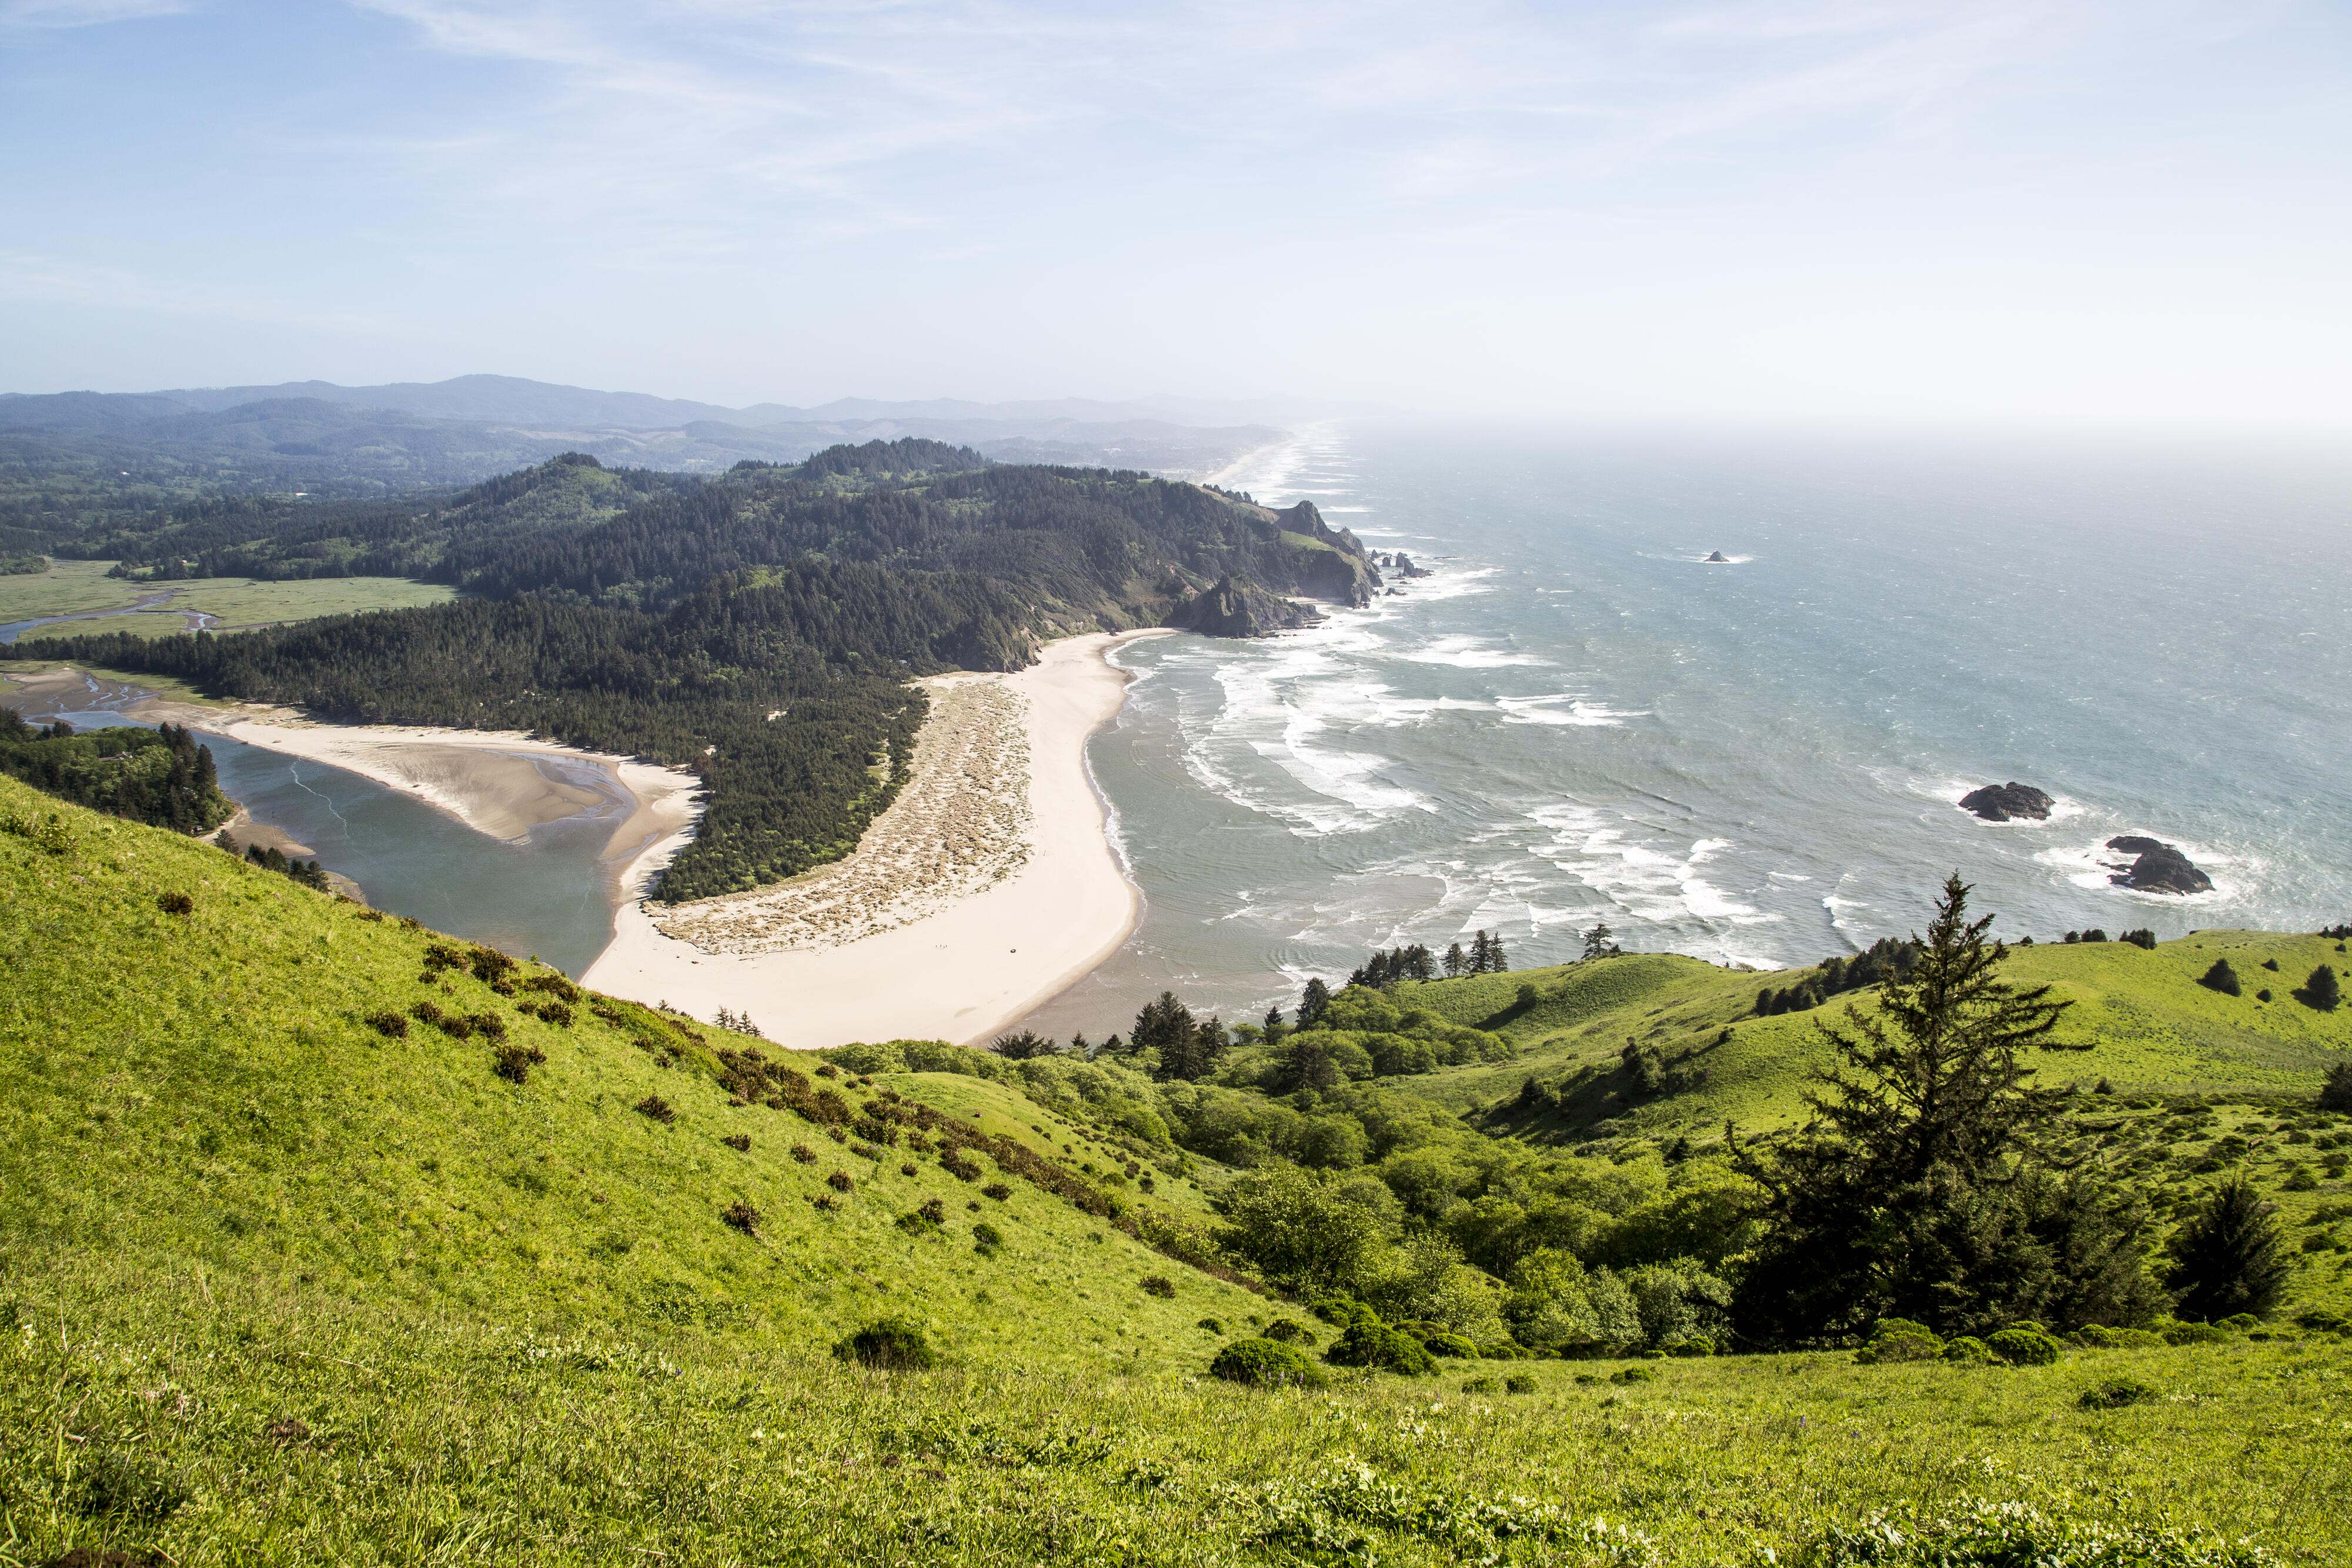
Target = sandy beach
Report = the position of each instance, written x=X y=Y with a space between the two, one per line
x=986 y=888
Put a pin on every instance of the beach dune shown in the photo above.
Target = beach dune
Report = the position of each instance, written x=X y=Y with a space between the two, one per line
x=994 y=928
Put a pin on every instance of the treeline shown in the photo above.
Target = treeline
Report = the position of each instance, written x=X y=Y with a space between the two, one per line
x=161 y=777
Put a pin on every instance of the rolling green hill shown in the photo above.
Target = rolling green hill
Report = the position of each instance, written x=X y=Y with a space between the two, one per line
x=284 y=1281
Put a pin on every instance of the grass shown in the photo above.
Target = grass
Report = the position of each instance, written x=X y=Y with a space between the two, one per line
x=277 y=1287
x=76 y=587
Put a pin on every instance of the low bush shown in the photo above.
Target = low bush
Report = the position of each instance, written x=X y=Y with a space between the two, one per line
x=1370 y=1343
x=2023 y=1347
x=803 y=1155
x=2115 y=1393
x=1212 y=1324
x=1477 y=1385
x=841 y=1181
x=986 y=1239
x=742 y=1216
x=1966 y=1350
x=738 y=1142
x=1632 y=1374
x=514 y=1062
x=1289 y=1331
x=2221 y=978
x=1266 y=1364
x=657 y=1108
x=176 y=903
x=888 y=1344
x=1519 y=1383
x=955 y=1166
x=389 y=1024
x=2194 y=1334
x=1900 y=1338
x=1451 y=1346
x=1690 y=1345
x=997 y=1190
x=1159 y=1285
x=2098 y=1336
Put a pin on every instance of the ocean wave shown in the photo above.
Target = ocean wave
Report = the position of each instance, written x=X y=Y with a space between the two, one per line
x=1465 y=652
x=1581 y=712
x=2092 y=867
x=1644 y=880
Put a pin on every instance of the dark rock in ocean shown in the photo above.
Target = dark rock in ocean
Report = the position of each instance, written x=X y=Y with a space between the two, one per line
x=1717 y=558
x=1343 y=573
x=2157 y=867
x=2003 y=802
x=1403 y=564
x=1237 y=607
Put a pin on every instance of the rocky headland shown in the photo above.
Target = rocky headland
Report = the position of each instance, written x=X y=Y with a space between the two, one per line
x=1236 y=607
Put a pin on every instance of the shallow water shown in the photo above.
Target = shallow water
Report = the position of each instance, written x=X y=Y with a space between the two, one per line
x=1579 y=719
x=548 y=897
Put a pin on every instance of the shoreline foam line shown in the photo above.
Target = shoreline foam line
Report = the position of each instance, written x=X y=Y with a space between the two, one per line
x=959 y=972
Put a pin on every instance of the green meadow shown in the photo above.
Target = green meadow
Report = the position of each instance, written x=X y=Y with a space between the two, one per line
x=289 y=1273
x=80 y=587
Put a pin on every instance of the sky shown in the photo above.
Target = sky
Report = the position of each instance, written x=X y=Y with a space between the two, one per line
x=1984 y=211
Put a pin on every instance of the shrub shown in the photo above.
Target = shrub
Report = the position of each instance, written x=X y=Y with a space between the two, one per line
x=1900 y=1338
x=986 y=1239
x=2023 y=1347
x=2115 y=1394
x=1632 y=1374
x=515 y=1061
x=742 y=1216
x=997 y=1190
x=888 y=1344
x=2140 y=938
x=49 y=834
x=825 y=1201
x=1212 y=1324
x=1451 y=1346
x=841 y=1181
x=1372 y=1343
x=1695 y=1344
x=2321 y=990
x=924 y=1219
x=1289 y=1331
x=2194 y=1334
x=1266 y=1364
x=2335 y=1094
x=803 y=1154
x=906 y=1170
x=1159 y=1285
x=738 y=1142
x=1966 y=1350
x=2221 y=978
x=488 y=1025
x=176 y=903
x=1519 y=1383
x=654 y=1107
x=2098 y=1336
x=1477 y=1385
x=389 y=1024
x=955 y=1166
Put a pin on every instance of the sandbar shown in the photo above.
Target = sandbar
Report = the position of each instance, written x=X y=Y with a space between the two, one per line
x=978 y=895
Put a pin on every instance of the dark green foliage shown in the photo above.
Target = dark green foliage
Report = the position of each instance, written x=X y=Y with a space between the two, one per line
x=888 y=1344
x=23 y=565
x=1021 y=1046
x=309 y=873
x=841 y=1181
x=389 y=1024
x=2322 y=990
x=2221 y=978
x=2023 y=1347
x=1519 y=1383
x=1159 y=1285
x=1266 y=1364
x=160 y=777
x=2336 y=1093
x=2143 y=938
x=742 y=1216
x=2115 y=1394
x=1290 y=1331
x=176 y=903
x=1886 y=959
x=1370 y=1342
x=2228 y=1257
x=1311 y=1003
x=1451 y=1346
x=738 y=1142
x=657 y=1108
x=514 y=1062
x=986 y=1239
x=1922 y=1190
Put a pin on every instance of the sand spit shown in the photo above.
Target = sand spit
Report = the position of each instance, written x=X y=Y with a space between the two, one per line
x=978 y=894
x=960 y=824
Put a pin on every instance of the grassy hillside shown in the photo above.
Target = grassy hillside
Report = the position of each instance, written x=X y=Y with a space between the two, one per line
x=2140 y=1021
x=202 y=1091
x=279 y=1287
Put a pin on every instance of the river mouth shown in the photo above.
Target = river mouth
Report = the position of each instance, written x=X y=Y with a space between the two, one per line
x=549 y=893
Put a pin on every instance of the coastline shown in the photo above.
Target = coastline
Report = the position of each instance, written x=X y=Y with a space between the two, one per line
x=958 y=972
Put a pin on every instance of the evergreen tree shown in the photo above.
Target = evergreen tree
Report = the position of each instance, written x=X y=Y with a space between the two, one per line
x=2335 y=1094
x=1456 y=961
x=1165 y=1026
x=1418 y=964
x=2229 y=1258
x=1313 y=1002
x=1273 y=1028
x=1596 y=941
x=2221 y=978
x=1921 y=1189
x=1496 y=963
x=1192 y=1055
x=1303 y=1063
x=2321 y=990
x=1479 y=963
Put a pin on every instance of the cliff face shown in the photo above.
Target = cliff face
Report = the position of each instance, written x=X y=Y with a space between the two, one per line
x=1237 y=607
x=1343 y=572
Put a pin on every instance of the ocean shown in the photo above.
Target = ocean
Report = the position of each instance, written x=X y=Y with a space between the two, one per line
x=1578 y=719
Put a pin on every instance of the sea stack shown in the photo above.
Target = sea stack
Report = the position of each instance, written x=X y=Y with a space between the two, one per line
x=1718 y=557
x=2155 y=867
x=2007 y=802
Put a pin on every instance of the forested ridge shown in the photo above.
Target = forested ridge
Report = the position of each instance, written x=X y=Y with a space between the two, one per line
x=758 y=627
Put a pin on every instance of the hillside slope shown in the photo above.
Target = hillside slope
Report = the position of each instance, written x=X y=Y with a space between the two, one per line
x=204 y=1092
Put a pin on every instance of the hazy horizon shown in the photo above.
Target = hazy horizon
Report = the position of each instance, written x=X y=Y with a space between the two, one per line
x=2028 y=213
